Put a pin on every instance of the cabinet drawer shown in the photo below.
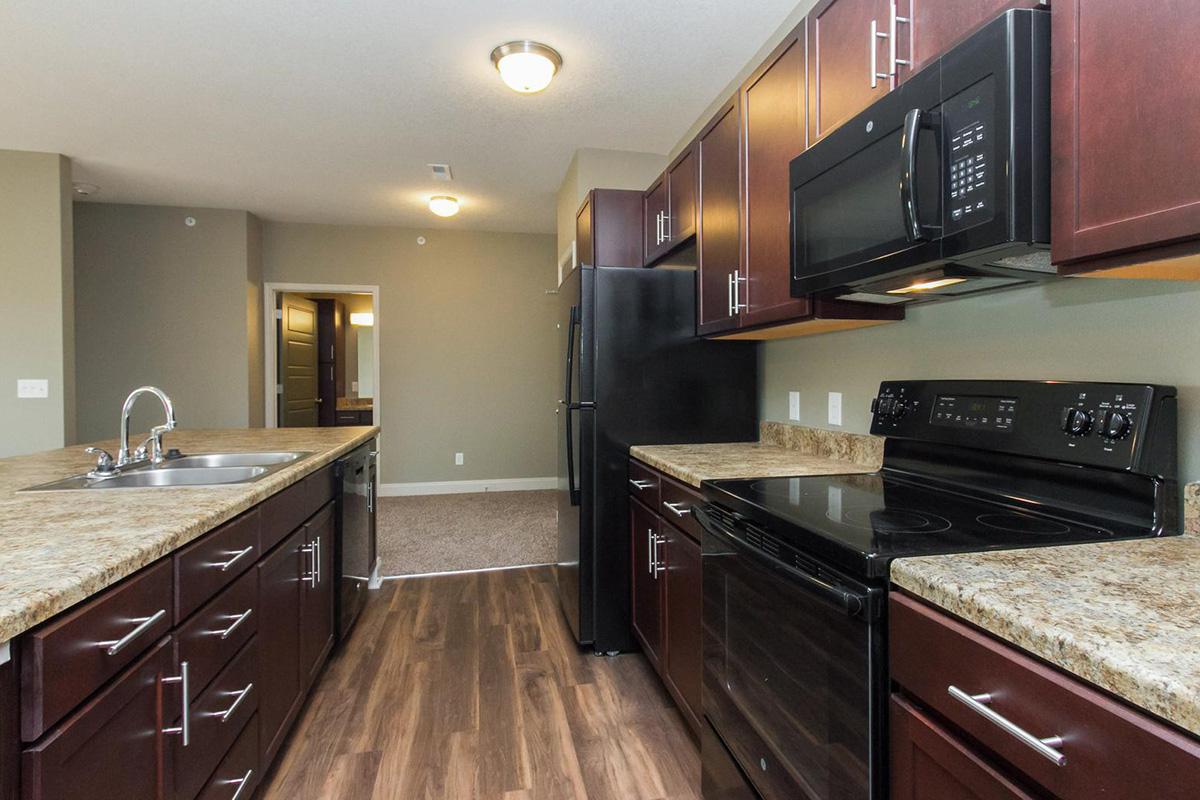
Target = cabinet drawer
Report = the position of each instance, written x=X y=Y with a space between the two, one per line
x=347 y=418
x=111 y=747
x=214 y=561
x=68 y=658
x=216 y=718
x=287 y=510
x=1110 y=749
x=218 y=631
x=644 y=484
x=676 y=507
x=237 y=776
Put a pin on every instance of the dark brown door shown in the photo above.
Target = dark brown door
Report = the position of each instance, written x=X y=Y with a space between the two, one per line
x=681 y=191
x=929 y=763
x=847 y=61
x=316 y=615
x=654 y=224
x=937 y=25
x=279 y=600
x=647 y=580
x=774 y=129
x=718 y=236
x=331 y=358
x=1125 y=132
x=584 y=251
x=298 y=363
x=683 y=601
x=113 y=745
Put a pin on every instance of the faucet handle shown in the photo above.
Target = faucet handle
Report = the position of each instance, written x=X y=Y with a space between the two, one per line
x=104 y=461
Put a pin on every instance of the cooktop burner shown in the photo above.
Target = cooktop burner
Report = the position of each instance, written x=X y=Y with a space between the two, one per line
x=894 y=520
x=1023 y=523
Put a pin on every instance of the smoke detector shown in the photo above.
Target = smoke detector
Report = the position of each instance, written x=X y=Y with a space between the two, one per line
x=441 y=172
x=85 y=189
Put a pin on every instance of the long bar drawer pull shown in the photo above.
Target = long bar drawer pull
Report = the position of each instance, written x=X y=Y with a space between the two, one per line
x=1046 y=747
x=678 y=508
x=185 y=724
x=236 y=557
x=227 y=713
x=640 y=485
x=144 y=624
x=242 y=784
x=225 y=634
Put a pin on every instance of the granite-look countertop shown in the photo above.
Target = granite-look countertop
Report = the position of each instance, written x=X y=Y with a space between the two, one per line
x=57 y=548
x=355 y=404
x=1124 y=616
x=784 y=450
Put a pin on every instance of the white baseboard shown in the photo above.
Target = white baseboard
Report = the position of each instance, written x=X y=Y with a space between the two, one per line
x=467 y=487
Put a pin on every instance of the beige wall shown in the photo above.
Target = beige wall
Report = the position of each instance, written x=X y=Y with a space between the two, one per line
x=466 y=337
x=36 y=303
x=163 y=303
x=593 y=168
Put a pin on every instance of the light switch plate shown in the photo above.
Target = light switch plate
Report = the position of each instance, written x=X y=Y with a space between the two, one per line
x=458 y=459
x=33 y=387
x=835 y=408
x=794 y=406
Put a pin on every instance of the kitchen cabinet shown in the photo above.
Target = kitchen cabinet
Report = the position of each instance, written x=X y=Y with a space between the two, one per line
x=960 y=690
x=773 y=122
x=1125 y=143
x=681 y=556
x=718 y=233
x=937 y=25
x=10 y=728
x=316 y=611
x=355 y=417
x=848 y=61
x=669 y=208
x=280 y=597
x=647 y=583
x=655 y=240
x=608 y=228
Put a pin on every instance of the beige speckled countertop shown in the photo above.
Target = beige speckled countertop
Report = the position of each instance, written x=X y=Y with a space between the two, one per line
x=57 y=548
x=355 y=404
x=783 y=450
x=1124 y=616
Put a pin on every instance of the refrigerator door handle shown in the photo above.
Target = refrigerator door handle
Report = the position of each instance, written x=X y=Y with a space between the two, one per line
x=569 y=407
x=568 y=379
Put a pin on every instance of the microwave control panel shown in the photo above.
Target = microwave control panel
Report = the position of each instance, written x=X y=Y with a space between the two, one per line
x=968 y=120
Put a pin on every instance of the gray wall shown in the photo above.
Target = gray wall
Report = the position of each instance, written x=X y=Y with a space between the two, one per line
x=467 y=344
x=1076 y=329
x=36 y=302
x=162 y=303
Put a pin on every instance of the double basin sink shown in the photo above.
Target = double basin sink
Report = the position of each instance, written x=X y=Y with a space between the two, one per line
x=204 y=469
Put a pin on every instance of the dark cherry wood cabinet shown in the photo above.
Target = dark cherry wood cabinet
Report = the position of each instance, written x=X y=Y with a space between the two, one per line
x=682 y=178
x=608 y=229
x=773 y=122
x=316 y=610
x=935 y=26
x=10 y=726
x=1125 y=137
x=684 y=653
x=848 y=61
x=718 y=230
x=280 y=598
x=655 y=210
x=647 y=583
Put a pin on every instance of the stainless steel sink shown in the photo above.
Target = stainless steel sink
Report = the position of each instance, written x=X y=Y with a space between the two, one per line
x=203 y=469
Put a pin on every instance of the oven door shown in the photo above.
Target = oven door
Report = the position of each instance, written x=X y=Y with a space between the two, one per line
x=793 y=668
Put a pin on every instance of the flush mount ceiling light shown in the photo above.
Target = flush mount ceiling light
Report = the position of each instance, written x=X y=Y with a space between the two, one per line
x=364 y=319
x=526 y=66
x=443 y=205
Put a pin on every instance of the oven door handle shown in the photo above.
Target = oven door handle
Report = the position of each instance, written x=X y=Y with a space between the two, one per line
x=851 y=602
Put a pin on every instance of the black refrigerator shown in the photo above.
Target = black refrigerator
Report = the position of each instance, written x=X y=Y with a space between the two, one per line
x=634 y=373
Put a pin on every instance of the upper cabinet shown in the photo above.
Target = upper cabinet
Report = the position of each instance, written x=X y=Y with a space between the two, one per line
x=927 y=28
x=669 y=208
x=608 y=227
x=848 y=61
x=654 y=220
x=718 y=235
x=1125 y=136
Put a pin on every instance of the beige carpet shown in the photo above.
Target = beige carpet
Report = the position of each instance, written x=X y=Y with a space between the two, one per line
x=445 y=532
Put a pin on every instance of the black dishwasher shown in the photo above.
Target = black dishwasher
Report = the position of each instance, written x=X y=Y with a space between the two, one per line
x=354 y=546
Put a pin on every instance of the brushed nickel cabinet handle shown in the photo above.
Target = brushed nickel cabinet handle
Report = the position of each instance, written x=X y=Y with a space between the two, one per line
x=225 y=634
x=650 y=551
x=310 y=576
x=242 y=784
x=666 y=227
x=242 y=695
x=144 y=624
x=224 y=567
x=894 y=21
x=876 y=35
x=979 y=703
x=640 y=485
x=676 y=509
x=658 y=565
x=184 y=728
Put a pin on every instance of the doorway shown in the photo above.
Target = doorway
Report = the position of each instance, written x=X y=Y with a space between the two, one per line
x=322 y=355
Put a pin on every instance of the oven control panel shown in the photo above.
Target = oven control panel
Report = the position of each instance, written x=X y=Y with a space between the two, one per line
x=1118 y=426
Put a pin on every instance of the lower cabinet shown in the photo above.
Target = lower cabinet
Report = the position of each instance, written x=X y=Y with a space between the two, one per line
x=666 y=584
x=316 y=589
x=280 y=593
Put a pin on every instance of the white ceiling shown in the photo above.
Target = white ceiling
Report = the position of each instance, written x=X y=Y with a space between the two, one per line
x=329 y=111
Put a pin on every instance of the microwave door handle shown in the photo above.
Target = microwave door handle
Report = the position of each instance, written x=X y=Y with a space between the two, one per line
x=908 y=175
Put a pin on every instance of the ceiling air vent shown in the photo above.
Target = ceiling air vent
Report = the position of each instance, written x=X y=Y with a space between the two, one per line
x=441 y=172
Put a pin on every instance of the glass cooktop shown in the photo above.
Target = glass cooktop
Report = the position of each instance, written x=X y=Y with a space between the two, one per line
x=863 y=521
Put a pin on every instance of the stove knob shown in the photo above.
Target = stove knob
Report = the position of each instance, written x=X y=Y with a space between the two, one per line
x=899 y=409
x=1115 y=425
x=1076 y=421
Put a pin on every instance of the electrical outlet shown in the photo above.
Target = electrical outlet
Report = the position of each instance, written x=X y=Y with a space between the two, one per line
x=33 y=387
x=835 y=408
x=794 y=406
x=458 y=459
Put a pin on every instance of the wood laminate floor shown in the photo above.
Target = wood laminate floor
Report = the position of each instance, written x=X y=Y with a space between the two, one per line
x=466 y=686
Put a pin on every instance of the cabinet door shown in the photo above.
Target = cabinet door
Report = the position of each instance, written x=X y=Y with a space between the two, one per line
x=938 y=25
x=928 y=763
x=681 y=191
x=316 y=615
x=584 y=251
x=718 y=235
x=1125 y=138
x=279 y=599
x=647 y=586
x=654 y=211
x=684 y=656
x=113 y=745
x=846 y=57
x=773 y=114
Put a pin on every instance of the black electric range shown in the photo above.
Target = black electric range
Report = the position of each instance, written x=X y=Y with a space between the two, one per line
x=795 y=568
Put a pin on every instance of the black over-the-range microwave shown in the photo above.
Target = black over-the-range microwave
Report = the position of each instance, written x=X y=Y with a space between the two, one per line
x=939 y=189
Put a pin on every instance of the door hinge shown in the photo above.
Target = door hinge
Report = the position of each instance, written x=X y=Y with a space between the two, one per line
x=279 y=388
x=279 y=313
